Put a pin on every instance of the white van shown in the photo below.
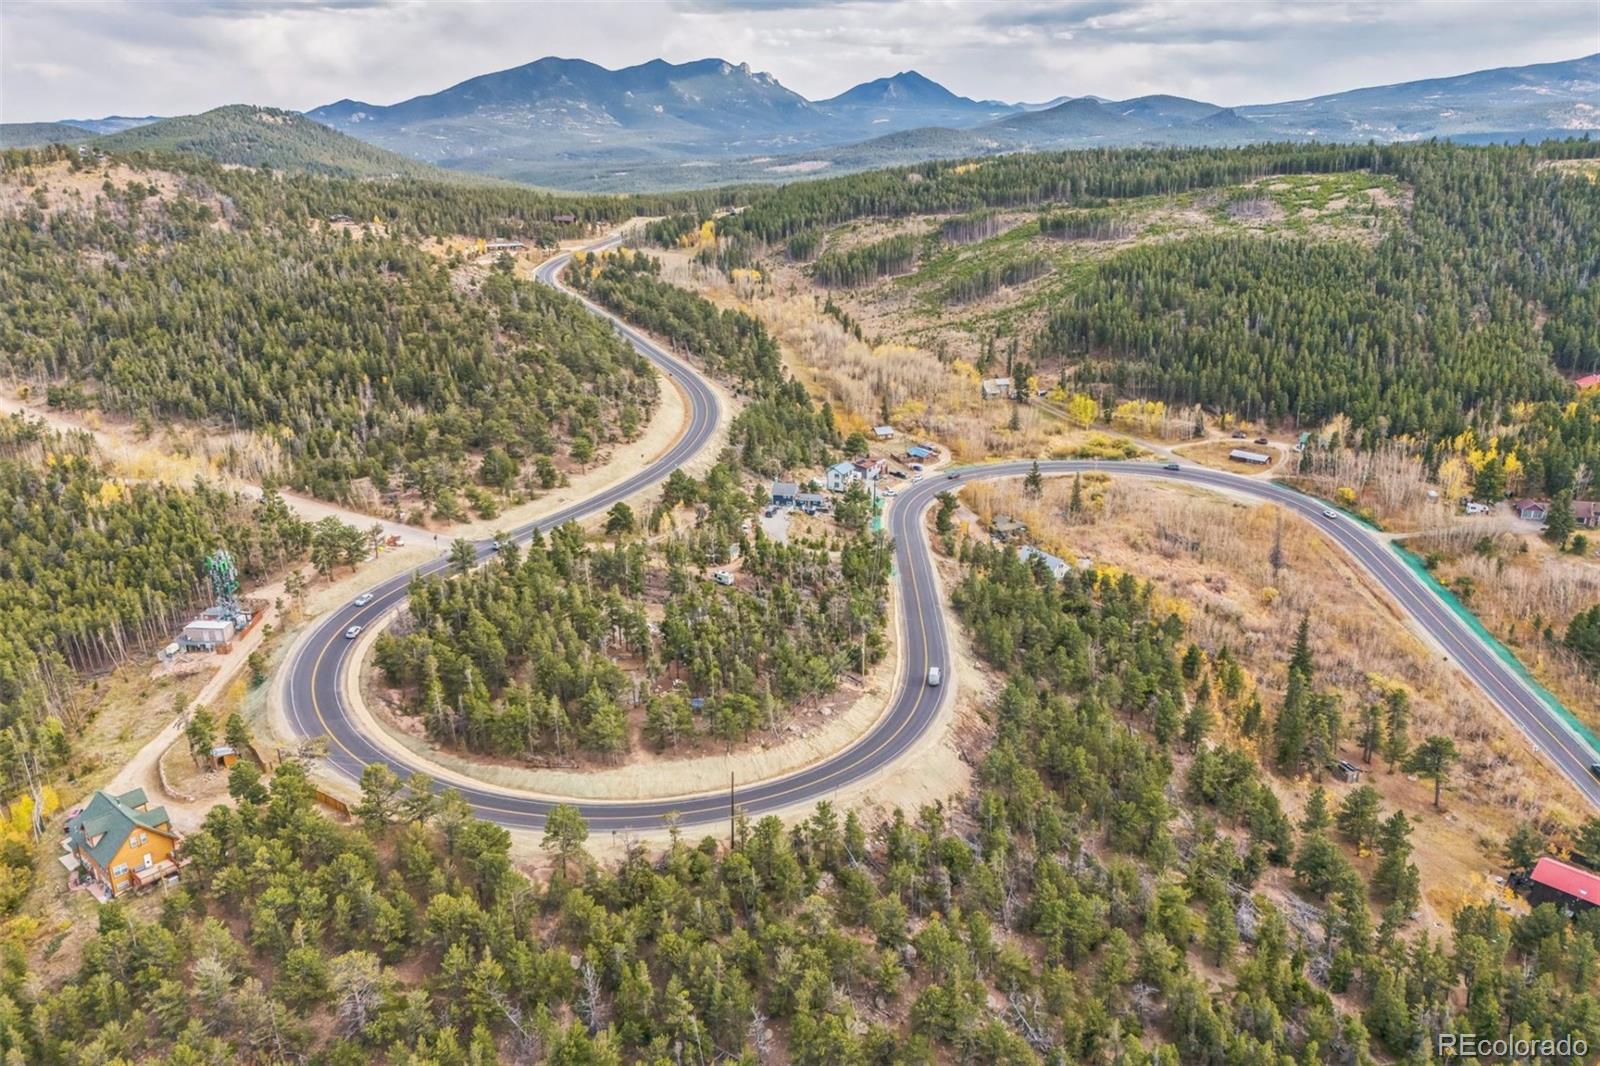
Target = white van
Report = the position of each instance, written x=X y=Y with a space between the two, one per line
x=722 y=577
x=934 y=677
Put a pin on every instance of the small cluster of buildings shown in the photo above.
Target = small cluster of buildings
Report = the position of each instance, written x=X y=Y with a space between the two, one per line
x=868 y=470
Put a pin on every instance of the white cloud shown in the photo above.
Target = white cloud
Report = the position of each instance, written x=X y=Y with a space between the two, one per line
x=90 y=59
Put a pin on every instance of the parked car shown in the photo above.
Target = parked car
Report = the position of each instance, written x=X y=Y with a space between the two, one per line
x=1261 y=440
x=722 y=577
x=901 y=474
x=916 y=478
x=772 y=510
x=890 y=493
x=917 y=467
x=934 y=677
x=352 y=633
x=363 y=599
x=1238 y=434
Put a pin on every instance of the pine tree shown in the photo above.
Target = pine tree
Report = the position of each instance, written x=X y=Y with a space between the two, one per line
x=1358 y=816
x=1033 y=484
x=1197 y=723
x=1301 y=658
x=1396 y=726
x=1292 y=731
x=1433 y=758
x=1559 y=522
x=1396 y=879
x=1371 y=730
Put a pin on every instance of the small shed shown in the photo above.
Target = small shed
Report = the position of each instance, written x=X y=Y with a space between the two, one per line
x=919 y=452
x=1565 y=885
x=996 y=388
x=223 y=756
x=1244 y=455
x=1346 y=771
x=883 y=432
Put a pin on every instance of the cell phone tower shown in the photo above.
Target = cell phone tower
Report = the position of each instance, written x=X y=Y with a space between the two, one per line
x=224 y=577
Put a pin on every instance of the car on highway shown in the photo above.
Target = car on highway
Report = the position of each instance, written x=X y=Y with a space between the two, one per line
x=1594 y=768
x=934 y=677
x=363 y=599
x=1172 y=466
x=1329 y=512
x=952 y=475
x=352 y=633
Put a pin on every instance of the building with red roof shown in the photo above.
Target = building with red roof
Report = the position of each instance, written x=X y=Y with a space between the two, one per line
x=1588 y=381
x=1563 y=884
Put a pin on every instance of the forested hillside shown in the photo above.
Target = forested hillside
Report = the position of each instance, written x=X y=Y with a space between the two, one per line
x=780 y=428
x=1465 y=311
x=247 y=136
x=355 y=352
x=1065 y=912
x=94 y=572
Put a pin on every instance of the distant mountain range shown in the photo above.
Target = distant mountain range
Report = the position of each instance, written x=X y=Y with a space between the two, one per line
x=570 y=123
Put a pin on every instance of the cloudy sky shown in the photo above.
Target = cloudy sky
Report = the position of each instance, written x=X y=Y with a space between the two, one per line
x=87 y=59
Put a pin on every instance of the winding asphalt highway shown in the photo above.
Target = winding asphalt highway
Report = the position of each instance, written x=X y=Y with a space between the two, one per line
x=317 y=666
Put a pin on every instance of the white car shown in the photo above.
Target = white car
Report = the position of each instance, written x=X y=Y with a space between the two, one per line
x=1329 y=512
x=352 y=633
x=934 y=676
x=363 y=599
x=915 y=478
x=890 y=493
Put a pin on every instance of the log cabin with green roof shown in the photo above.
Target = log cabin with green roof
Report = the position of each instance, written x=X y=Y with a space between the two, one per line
x=119 y=843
